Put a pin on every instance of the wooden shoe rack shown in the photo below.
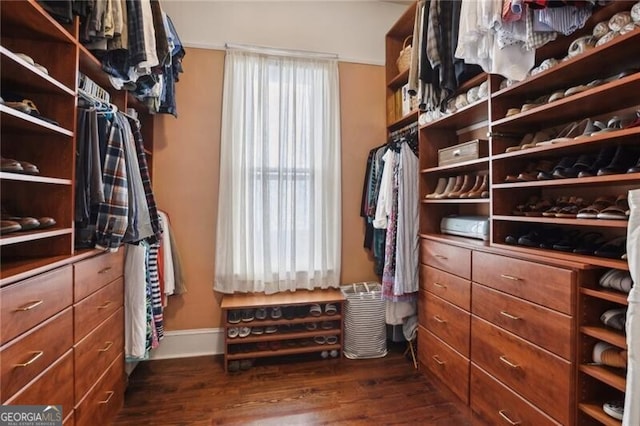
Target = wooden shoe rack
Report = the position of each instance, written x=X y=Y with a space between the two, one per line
x=292 y=337
x=522 y=321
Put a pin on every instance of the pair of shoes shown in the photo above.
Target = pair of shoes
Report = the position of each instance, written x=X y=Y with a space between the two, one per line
x=15 y=166
x=28 y=223
x=26 y=106
x=315 y=310
x=234 y=317
x=329 y=340
x=247 y=315
x=330 y=309
x=613 y=249
x=615 y=318
x=609 y=355
x=276 y=313
x=234 y=332
x=30 y=61
x=616 y=279
x=568 y=133
x=326 y=354
x=461 y=186
x=614 y=409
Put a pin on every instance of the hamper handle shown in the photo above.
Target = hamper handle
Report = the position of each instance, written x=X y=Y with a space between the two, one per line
x=406 y=39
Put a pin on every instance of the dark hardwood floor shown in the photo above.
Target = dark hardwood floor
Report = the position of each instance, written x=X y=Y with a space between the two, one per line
x=197 y=391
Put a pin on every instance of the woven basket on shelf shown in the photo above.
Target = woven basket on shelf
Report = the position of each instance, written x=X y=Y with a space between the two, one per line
x=404 y=58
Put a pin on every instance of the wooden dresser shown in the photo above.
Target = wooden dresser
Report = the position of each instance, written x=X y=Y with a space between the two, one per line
x=62 y=337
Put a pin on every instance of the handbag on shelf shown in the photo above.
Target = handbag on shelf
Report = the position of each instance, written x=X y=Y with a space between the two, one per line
x=404 y=58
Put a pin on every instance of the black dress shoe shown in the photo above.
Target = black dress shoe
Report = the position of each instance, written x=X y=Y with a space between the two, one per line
x=636 y=168
x=583 y=163
x=565 y=163
x=604 y=157
x=620 y=163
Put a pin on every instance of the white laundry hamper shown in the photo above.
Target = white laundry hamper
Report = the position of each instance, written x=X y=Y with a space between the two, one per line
x=365 y=332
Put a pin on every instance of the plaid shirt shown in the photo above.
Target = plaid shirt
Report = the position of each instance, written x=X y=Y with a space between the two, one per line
x=113 y=212
x=536 y=39
x=135 y=32
x=146 y=182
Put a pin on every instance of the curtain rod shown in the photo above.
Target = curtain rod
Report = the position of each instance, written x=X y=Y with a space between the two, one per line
x=280 y=52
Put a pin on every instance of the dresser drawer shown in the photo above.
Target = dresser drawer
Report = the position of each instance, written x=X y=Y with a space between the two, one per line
x=30 y=354
x=105 y=399
x=447 y=286
x=96 y=272
x=29 y=302
x=542 y=284
x=97 y=351
x=539 y=376
x=53 y=387
x=456 y=260
x=499 y=405
x=544 y=327
x=96 y=308
x=450 y=323
x=69 y=420
x=445 y=363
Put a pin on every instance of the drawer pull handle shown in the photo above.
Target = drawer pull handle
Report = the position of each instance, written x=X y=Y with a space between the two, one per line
x=510 y=277
x=438 y=360
x=33 y=359
x=105 y=304
x=106 y=401
x=438 y=319
x=439 y=285
x=439 y=256
x=106 y=348
x=456 y=152
x=29 y=306
x=503 y=414
x=508 y=315
x=104 y=270
x=509 y=363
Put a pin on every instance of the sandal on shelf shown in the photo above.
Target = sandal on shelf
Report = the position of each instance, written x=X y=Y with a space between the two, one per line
x=592 y=211
x=617 y=211
x=537 y=209
x=560 y=203
x=522 y=208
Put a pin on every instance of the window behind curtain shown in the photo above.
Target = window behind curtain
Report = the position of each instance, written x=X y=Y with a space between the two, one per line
x=279 y=204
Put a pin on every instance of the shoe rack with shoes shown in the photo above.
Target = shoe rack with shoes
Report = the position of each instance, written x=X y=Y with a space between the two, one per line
x=603 y=347
x=262 y=326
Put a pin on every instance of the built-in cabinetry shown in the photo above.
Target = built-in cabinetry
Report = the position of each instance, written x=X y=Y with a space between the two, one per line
x=62 y=317
x=527 y=315
x=303 y=322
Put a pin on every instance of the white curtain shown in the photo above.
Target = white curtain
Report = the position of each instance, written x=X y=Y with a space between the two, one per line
x=279 y=211
x=632 y=396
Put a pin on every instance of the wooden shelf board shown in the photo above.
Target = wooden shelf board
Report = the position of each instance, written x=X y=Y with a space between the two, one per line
x=595 y=180
x=22 y=237
x=34 y=178
x=300 y=297
x=399 y=80
x=576 y=146
x=597 y=100
x=473 y=82
x=610 y=336
x=90 y=66
x=596 y=412
x=403 y=121
x=564 y=221
x=28 y=20
x=615 y=378
x=579 y=68
x=482 y=164
x=283 y=351
x=284 y=321
x=17 y=72
x=456 y=201
x=455 y=240
x=474 y=113
x=12 y=118
x=282 y=336
x=404 y=25
x=610 y=295
x=569 y=257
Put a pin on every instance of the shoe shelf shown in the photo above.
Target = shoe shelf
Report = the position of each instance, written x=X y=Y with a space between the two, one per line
x=403 y=121
x=610 y=336
x=268 y=353
x=608 y=295
x=596 y=180
x=607 y=97
x=284 y=321
x=479 y=164
x=614 y=377
x=282 y=336
x=476 y=113
x=17 y=72
x=456 y=201
x=603 y=223
x=26 y=236
x=608 y=59
x=595 y=411
x=399 y=80
x=18 y=120
x=31 y=178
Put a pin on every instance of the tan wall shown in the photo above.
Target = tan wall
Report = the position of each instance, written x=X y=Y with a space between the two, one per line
x=185 y=166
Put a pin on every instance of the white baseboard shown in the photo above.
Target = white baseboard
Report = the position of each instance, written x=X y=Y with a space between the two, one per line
x=190 y=343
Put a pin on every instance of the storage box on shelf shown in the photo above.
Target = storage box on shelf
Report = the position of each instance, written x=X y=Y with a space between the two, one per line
x=297 y=328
